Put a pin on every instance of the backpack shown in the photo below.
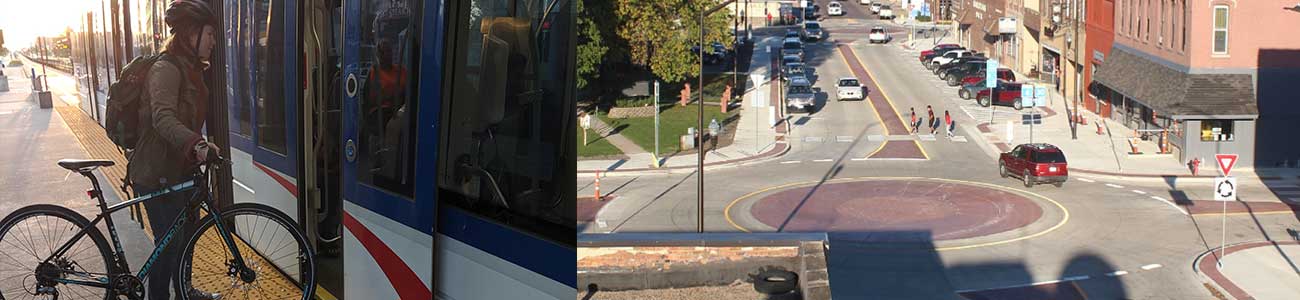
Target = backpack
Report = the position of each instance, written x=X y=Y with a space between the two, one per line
x=126 y=103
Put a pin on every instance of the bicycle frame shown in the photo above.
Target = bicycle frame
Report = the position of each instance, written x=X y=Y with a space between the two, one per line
x=119 y=255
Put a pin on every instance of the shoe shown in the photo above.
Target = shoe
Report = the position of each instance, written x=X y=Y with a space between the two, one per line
x=196 y=294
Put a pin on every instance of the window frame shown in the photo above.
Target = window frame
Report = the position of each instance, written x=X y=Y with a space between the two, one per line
x=1227 y=129
x=1214 y=30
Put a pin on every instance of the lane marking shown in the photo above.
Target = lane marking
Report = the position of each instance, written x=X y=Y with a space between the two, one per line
x=1065 y=213
x=1114 y=185
x=1172 y=204
x=1140 y=192
x=874 y=80
x=1086 y=180
x=1076 y=278
x=1117 y=273
x=1151 y=266
x=790 y=162
x=859 y=159
x=822 y=160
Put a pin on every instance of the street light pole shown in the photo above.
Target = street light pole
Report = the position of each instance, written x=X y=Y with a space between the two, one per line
x=699 y=138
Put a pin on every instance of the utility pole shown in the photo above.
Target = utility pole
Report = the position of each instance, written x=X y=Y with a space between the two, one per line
x=699 y=131
x=1074 y=122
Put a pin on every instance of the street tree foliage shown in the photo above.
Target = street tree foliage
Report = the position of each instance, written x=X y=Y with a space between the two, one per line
x=592 y=46
x=659 y=34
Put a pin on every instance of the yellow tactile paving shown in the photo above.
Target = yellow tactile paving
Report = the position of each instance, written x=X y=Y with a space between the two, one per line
x=210 y=257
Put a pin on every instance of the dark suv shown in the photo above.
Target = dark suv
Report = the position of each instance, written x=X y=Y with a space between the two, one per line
x=958 y=77
x=1035 y=163
x=1008 y=94
x=960 y=62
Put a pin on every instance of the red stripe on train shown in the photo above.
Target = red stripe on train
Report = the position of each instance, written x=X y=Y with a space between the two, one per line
x=407 y=284
x=288 y=185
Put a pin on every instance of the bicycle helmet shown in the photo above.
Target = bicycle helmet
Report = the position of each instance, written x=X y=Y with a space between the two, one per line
x=188 y=14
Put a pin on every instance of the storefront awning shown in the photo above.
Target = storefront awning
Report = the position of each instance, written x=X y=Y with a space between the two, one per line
x=1177 y=94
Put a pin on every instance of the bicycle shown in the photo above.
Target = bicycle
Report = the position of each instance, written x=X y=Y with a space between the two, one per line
x=55 y=267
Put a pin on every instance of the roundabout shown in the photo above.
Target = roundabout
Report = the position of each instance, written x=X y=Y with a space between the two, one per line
x=953 y=214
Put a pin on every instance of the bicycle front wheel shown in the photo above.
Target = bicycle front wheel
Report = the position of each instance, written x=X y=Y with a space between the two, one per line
x=278 y=262
x=31 y=234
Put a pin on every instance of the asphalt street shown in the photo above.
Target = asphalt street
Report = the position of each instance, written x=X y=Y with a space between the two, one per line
x=1119 y=239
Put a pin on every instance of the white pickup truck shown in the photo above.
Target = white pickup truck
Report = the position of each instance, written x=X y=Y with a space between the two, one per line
x=948 y=57
x=886 y=13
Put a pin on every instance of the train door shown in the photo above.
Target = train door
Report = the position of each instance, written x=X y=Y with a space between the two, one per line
x=388 y=135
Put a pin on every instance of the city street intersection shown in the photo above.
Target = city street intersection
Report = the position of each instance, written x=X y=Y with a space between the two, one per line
x=928 y=217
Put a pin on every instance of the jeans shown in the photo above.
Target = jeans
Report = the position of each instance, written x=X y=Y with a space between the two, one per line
x=162 y=213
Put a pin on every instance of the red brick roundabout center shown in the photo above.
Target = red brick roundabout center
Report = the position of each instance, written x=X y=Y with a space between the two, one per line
x=947 y=209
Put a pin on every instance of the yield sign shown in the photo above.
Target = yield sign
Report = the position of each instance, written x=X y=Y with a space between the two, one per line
x=1226 y=161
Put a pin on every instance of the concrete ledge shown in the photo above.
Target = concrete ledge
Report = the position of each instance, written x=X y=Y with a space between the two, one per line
x=711 y=274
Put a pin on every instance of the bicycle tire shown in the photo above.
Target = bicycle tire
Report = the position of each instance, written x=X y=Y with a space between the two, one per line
x=252 y=253
x=77 y=222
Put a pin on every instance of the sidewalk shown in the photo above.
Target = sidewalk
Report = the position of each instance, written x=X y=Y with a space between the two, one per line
x=1255 y=270
x=618 y=140
x=755 y=137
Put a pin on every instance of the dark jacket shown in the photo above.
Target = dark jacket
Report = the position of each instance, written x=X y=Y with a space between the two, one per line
x=164 y=155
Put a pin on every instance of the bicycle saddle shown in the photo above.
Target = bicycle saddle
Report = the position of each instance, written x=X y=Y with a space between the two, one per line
x=82 y=165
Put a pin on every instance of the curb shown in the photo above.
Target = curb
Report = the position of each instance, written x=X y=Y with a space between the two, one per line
x=779 y=149
x=1227 y=286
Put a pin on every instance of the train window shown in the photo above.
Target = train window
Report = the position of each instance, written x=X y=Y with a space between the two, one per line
x=268 y=44
x=386 y=158
x=508 y=81
x=237 y=68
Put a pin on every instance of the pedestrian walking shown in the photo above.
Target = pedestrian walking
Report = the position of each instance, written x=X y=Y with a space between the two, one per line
x=769 y=17
x=915 y=123
x=947 y=121
x=934 y=123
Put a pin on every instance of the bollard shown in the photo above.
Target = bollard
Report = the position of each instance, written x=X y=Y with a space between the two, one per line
x=1099 y=131
x=598 y=187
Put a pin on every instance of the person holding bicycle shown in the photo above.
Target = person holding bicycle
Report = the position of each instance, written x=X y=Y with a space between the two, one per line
x=171 y=145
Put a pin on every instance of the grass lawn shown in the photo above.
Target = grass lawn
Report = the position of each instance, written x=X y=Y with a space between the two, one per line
x=596 y=147
x=672 y=125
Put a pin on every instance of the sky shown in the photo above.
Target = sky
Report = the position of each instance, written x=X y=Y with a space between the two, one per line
x=24 y=20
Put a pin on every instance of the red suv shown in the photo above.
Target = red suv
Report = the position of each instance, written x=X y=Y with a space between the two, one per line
x=1034 y=163
x=1003 y=74
x=1008 y=95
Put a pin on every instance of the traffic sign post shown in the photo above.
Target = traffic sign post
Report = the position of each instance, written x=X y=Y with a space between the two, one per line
x=655 y=156
x=1225 y=189
x=991 y=82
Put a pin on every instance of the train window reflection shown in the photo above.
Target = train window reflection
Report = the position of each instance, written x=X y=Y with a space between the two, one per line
x=387 y=107
x=269 y=49
x=506 y=103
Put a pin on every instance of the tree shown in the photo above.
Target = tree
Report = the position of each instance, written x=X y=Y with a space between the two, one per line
x=661 y=33
x=591 y=40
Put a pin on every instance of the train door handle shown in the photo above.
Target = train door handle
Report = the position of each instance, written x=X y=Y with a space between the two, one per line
x=352 y=85
x=350 y=150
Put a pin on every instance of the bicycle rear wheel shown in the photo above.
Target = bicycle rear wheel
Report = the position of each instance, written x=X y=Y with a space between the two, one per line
x=280 y=259
x=33 y=233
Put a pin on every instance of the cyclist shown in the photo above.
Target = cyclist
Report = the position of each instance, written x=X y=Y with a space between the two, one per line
x=172 y=145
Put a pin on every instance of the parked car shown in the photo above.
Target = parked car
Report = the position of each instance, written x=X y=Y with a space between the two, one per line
x=875 y=7
x=792 y=46
x=886 y=12
x=812 y=31
x=792 y=33
x=944 y=69
x=948 y=57
x=968 y=77
x=1035 y=163
x=799 y=95
x=864 y=2
x=878 y=35
x=835 y=9
x=1008 y=94
x=939 y=49
x=970 y=89
x=715 y=53
x=849 y=88
x=810 y=11
x=794 y=69
x=785 y=59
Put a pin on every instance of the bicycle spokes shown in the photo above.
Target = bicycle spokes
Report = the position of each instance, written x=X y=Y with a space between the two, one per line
x=25 y=273
x=272 y=260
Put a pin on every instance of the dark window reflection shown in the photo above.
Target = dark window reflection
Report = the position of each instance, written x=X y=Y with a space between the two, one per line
x=268 y=46
x=388 y=62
